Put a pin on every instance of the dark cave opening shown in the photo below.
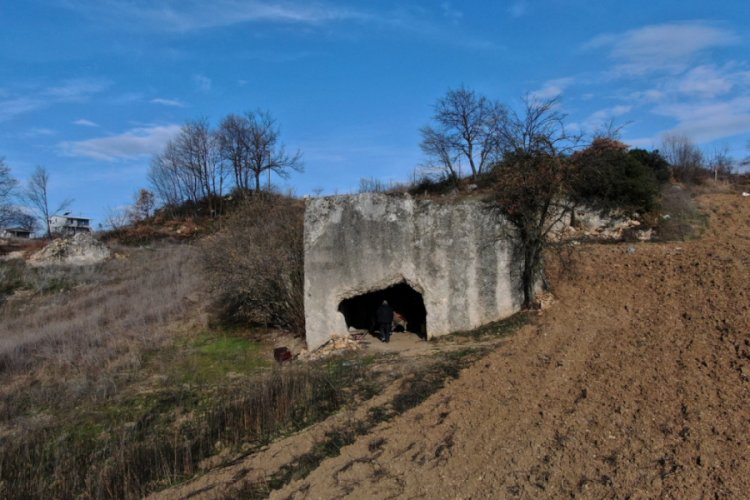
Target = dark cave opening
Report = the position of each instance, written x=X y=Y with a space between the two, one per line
x=359 y=311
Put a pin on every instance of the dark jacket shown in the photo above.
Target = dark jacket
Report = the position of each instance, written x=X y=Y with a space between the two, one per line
x=384 y=314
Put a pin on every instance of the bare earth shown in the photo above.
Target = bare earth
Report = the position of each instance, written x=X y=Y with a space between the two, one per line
x=634 y=384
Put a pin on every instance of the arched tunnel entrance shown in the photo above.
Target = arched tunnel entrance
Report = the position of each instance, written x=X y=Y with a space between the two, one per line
x=359 y=311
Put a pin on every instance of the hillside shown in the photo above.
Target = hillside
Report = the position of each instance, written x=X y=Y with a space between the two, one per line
x=634 y=384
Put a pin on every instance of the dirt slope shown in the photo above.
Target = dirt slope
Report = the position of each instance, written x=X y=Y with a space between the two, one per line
x=635 y=384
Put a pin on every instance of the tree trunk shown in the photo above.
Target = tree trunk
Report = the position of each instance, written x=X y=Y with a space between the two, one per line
x=528 y=277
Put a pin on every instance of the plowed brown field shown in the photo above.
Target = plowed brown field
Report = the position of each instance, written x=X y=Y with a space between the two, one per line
x=636 y=383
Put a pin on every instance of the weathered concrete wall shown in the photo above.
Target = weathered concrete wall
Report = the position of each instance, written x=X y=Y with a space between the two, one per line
x=456 y=254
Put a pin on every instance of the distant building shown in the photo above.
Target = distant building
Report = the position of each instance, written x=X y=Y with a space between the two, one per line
x=67 y=225
x=15 y=232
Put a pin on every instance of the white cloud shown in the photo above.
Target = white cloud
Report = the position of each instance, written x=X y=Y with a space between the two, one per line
x=39 y=132
x=552 y=88
x=708 y=121
x=202 y=83
x=705 y=81
x=76 y=90
x=134 y=143
x=40 y=97
x=169 y=102
x=189 y=15
x=604 y=117
x=669 y=46
x=11 y=108
x=83 y=122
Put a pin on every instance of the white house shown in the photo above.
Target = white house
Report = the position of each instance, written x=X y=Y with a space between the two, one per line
x=67 y=225
x=15 y=232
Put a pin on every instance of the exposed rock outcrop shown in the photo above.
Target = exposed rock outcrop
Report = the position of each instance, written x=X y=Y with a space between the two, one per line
x=79 y=250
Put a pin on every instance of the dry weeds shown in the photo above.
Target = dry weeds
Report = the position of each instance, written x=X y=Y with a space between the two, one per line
x=90 y=318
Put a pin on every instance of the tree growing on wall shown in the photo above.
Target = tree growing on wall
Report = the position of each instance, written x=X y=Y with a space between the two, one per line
x=530 y=185
x=36 y=195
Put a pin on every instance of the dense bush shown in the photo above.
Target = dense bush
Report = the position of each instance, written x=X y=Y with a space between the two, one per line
x=607 y=177
x=256 y=264
x=435 y=184
x=654 y=161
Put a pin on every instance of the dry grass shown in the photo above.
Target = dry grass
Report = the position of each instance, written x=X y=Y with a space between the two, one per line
x=680 y=217
x=112 y=385
x=74 y=328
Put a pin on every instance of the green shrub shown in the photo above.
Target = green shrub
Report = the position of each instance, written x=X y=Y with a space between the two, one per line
x=607 y=177
x=654 y=161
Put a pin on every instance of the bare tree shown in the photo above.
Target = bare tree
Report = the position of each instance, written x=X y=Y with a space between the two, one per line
x=265 y=153
x=465 y=130
x=171 y=183
x=680 y=151
x=721 y=164
x=9 y=213
x=37 y=196
x=233 y=137
x=190 y=168
x=117 y=219
x=531 y=182
x=143 y=205
x=685 y=158
x=198 y=154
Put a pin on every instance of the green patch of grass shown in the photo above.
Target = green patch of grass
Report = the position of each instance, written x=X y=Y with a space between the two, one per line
x=211 y=358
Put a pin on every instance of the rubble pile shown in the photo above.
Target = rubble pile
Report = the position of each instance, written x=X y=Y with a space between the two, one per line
x=80 y=250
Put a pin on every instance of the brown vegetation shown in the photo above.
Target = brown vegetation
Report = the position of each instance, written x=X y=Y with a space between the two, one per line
x=256 y=264
x=111 y=312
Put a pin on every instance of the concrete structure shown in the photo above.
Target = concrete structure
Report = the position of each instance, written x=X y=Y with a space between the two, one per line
x=66 y=225
x=445 y=265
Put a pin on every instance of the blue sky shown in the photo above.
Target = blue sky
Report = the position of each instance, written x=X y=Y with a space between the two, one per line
x=91 y=89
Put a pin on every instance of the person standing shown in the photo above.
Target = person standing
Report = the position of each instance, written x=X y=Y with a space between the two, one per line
x=384 y=317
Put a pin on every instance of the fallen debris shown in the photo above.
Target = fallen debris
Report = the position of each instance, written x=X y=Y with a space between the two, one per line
x=336 y=345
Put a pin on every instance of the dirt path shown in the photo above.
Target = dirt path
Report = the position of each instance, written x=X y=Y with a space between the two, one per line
x=635 y=384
